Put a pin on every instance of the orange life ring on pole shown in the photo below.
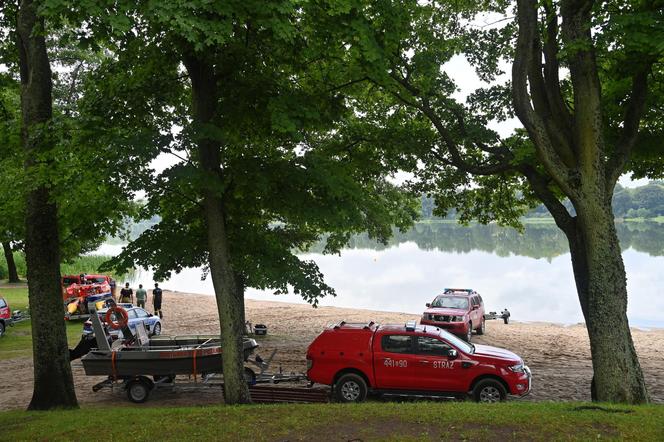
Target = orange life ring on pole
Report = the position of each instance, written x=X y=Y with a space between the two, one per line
x=122 y=318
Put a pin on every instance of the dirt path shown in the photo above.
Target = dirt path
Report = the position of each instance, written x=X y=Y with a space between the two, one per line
x=558 y=356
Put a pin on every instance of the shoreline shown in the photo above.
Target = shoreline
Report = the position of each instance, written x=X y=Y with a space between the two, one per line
x=417 y=316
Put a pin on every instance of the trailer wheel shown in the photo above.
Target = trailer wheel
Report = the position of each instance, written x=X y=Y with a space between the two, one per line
x=350 y=388
x=489 y=391
x=138 y=390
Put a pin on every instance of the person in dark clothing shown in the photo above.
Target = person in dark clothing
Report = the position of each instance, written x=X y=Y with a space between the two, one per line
x=156 y=300
x=127 y=294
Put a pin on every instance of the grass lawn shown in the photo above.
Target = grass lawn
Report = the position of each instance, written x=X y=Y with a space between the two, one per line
x=324 y=422
x=17 y=341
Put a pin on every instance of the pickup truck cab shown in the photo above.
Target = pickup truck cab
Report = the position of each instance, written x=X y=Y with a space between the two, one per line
x=459 y=311
x=356 y=359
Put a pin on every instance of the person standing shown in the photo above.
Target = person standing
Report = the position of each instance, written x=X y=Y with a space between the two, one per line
x=111 y=283
x=141 y=296
x=156 y=300
x=127 y=294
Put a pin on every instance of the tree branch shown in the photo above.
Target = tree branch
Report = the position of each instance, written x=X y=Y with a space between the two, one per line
x=559 y=108
x=540 y=186
x=527 y=20
x=633 y=112
x=585 y=83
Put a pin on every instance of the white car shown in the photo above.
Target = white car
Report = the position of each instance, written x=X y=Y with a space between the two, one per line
x=136 y=315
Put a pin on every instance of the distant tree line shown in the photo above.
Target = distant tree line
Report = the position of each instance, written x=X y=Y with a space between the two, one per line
x=639 y=202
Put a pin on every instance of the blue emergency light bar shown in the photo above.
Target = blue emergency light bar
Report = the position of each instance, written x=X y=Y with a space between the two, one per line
x=459 y=290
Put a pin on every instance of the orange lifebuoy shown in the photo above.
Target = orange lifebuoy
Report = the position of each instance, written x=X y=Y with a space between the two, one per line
x=122 y=318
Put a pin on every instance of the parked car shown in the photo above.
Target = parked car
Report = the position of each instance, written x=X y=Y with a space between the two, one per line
x=136 y=315
x=356 y=359
x=459 y=311
x=5 y=316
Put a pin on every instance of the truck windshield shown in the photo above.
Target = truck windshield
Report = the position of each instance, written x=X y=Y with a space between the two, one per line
x=457 y=342
x=450 y=302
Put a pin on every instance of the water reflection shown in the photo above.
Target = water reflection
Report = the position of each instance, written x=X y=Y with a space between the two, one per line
x=537 y=241
x=529 y=273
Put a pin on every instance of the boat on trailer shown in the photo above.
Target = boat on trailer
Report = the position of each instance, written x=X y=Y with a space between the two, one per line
x=156 y=356
x=161 y=356
x=141 y=364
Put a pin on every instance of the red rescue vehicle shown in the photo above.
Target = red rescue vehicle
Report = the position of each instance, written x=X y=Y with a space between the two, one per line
x=5 y=316
x=356 y=359
x=77 y=288
x=459 y=311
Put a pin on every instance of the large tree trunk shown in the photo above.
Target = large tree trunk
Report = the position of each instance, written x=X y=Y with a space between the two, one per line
x=11 y=265
x=617 y=372
x=53 y=381
x=230 y=300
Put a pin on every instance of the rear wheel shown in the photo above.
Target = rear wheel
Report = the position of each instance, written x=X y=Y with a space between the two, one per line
x=469 y=333
x=350 y=388
x=489 y=391
x=482 y=328
x=138 y=390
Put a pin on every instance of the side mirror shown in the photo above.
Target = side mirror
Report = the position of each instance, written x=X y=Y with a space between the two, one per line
x=428 y=304
x=150 y=315
x=452 y=353
x=475 y=307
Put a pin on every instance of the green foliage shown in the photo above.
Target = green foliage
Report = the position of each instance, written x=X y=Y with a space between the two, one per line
x=288 y=174
x=96 y=164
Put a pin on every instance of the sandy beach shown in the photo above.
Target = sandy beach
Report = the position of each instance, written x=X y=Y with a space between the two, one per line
x=559 y=356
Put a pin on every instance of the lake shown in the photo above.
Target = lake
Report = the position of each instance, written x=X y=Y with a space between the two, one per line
x=529 y=273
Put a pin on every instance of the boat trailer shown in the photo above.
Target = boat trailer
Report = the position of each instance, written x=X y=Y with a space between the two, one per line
x=139 y=387
x=130 y=369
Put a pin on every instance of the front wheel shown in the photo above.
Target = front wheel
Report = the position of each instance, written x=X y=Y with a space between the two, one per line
x=482 y=329
x=489 y=391
x=2 y=329
x=469 y=333
x=350 y=388
x=157 y=329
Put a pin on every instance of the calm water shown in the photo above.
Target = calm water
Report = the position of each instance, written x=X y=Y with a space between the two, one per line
x=528 y=273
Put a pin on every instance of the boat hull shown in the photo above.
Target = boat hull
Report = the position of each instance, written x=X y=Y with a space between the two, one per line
x=163 y=357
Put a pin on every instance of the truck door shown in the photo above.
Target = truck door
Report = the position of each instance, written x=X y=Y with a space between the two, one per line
x=435 y=370
x=475 y=313
x=395 y=362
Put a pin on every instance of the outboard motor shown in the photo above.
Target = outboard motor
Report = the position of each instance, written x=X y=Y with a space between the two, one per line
x=87 y=343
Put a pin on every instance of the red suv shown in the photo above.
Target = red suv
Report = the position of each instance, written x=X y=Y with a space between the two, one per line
x=459 y=311
x=5 y=316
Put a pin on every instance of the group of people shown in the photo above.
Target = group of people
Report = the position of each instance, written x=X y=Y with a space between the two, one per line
x=127 y=295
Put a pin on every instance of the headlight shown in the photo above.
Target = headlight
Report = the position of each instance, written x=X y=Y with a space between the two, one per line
x=518 y=368
x=457 y=318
